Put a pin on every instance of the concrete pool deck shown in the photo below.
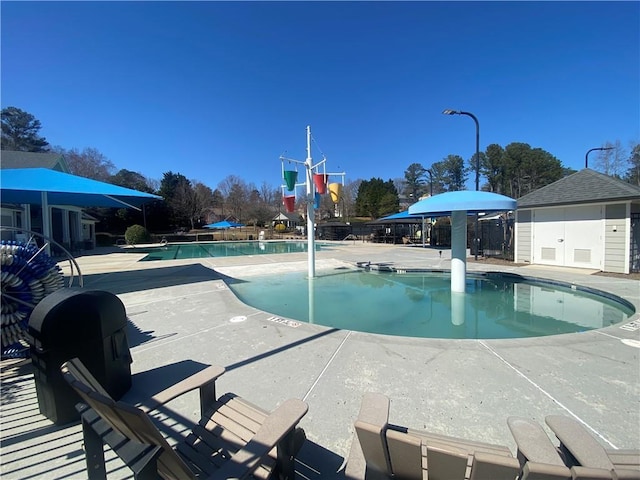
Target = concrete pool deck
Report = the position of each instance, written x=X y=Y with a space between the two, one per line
x=180 y=314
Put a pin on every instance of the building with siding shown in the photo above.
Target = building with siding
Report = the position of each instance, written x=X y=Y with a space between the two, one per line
x=585 y=220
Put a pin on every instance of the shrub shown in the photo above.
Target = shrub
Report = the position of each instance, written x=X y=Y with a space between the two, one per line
x=280 y=227
x=136 y=234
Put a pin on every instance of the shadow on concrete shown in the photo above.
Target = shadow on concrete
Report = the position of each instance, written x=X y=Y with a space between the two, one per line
x=313 y=461
x=275 y=351
x=150 y=382
x=23 y=424
x=135 y=336
x=148 y=279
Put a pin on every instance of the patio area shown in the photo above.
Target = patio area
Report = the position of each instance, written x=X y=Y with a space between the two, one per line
x=179 y=320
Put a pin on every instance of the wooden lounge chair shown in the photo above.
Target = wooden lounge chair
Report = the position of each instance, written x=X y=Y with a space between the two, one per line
x=382 y=450
x=234 y=439
x=542 y=460
x=579 y=448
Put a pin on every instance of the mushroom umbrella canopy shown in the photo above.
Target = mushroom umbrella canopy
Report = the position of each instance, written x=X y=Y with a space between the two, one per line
x=458 y=205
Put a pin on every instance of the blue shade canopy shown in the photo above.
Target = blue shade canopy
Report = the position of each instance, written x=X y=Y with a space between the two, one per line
x=400 y=217
x=471 y=201
x=27 y=185
x=224 y=225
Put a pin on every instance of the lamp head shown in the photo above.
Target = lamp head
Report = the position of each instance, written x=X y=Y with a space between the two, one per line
x=451 y=112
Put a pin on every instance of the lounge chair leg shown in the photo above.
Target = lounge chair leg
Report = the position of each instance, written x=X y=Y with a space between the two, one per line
x=287 y=449
x=207 y=397
x=94 y=452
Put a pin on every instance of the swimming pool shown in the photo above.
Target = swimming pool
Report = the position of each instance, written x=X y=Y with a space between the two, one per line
x=222 y=249
x=422 y=305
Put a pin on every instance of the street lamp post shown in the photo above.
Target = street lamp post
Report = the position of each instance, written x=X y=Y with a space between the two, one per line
x=475 y=119
x=586 y=157
x=430 y=182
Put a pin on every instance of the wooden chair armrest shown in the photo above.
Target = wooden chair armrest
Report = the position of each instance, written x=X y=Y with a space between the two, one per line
x=533 y=442
x=579 y=442
x=204 y=380
x=374 y=409
x=275 y=427
x=544 y=471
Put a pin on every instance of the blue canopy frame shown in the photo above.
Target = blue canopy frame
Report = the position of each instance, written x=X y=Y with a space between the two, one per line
x=44 y=187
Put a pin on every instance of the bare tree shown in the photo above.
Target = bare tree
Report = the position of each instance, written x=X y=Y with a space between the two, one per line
x=204 y=201
x=612 y=162
x=236 y=194
x=88 y=163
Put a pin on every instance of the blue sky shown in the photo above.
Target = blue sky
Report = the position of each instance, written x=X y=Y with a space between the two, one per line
x=211 y=89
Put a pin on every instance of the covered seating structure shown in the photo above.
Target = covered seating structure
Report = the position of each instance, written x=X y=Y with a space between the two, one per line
x=234 y=438
x=400 y=227
x=224 y=225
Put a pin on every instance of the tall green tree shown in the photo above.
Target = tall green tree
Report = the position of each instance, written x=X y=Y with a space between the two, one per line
x=528 y=169
x=377 y=198
x=492 y=167
x=20 y=131
x=455 y=173
x=473 y=166
x=437 y=178
x=129 y=179
x=414 y=181
x=633 y=173
x=179 y=197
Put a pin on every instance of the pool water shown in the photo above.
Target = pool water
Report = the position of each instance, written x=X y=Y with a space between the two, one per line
x=422 y=305
x=222 y=249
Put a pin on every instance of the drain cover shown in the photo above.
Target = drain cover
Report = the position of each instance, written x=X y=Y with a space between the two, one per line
x=631 y=342
x=238 y=319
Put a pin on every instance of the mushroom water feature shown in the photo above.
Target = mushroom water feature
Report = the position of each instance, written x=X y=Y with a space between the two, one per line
x=458 y=205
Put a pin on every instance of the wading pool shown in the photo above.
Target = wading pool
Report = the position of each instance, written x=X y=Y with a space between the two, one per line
x=421 y=304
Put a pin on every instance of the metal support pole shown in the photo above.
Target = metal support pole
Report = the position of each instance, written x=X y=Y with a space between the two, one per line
x=458 y=251
x=476 y=231
x=311 y=220
x=475 y=119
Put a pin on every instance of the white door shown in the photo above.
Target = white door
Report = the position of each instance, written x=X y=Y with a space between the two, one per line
x=584 y=236
x=548 y=236
x=568 y=236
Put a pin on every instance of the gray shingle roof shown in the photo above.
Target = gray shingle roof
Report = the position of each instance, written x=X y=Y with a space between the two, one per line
x=585 y=186
x=50 y=160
